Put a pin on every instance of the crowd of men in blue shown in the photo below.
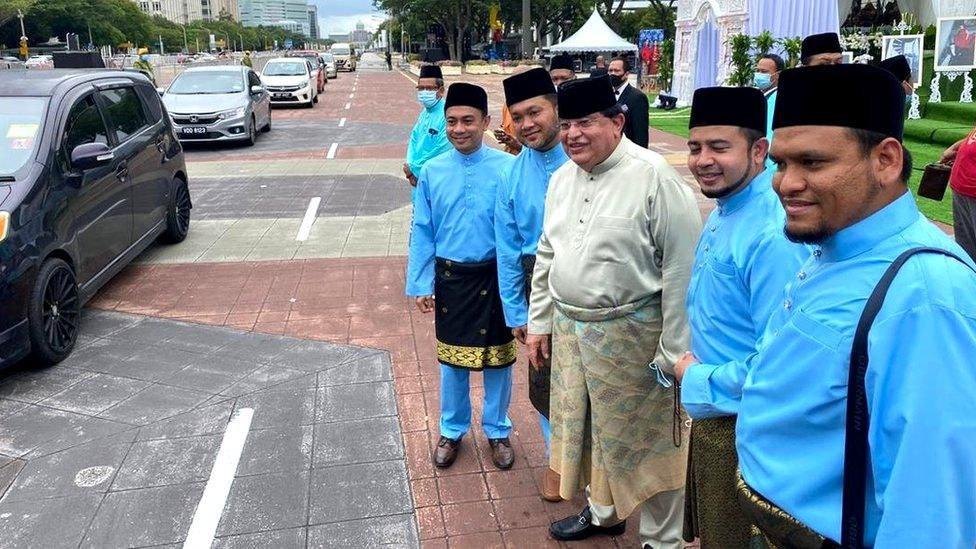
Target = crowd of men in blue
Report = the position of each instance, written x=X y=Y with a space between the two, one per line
x=796 y=372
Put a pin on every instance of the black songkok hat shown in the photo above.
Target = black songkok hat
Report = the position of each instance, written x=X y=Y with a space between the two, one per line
x=461 y=94
x=562 y=62
x=583 y=97
x=526 y=85
x=431 y=71
x=814 y=44
x=723 y=106
x=898 y=66
x=824 y=96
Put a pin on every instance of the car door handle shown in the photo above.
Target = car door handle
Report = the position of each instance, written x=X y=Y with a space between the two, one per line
x=161 y=144
x=122 y=172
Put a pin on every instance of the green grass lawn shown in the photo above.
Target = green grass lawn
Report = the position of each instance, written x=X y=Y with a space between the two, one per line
x=676 y=123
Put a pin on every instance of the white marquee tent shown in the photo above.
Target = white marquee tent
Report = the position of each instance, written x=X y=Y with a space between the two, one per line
x=594 y=36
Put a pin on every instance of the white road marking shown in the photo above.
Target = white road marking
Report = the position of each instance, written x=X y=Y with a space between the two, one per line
x=211 y=506
x=351 y=95
x=306 y=228
x=332 y=151
x=342 y=123
x=348 y=105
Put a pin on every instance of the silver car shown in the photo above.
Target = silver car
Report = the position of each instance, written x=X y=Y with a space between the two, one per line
x=218 y=103
x=330 y=65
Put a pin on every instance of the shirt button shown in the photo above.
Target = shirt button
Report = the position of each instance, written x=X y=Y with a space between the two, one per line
x=713 y=229
x=484 y=292
x=817 y=253
x=788 y=304
x=586 y=200
x=482 y=331
x=581 y=221
x=801 y=275
x=707 y=247
x=443 y=309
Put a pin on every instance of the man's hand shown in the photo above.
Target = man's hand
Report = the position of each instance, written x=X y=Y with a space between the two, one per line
x=538 y=349
x=425 y=303
x=406 y=171
x=519 y=334
x=950 y=154
x=687 y=360
x=507 y=140
x=412 y=180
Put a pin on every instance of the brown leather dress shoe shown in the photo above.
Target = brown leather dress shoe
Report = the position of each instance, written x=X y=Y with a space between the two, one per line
x=502 y=454
x=550 y=486
x=446 y=453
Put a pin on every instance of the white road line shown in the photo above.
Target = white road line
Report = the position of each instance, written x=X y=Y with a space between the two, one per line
x=342 y=123
x=211 y=506
x=306 y=228
x=332 y=150
x=348 y=105
x=351 y=95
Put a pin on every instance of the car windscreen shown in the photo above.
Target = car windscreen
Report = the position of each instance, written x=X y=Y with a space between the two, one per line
x=21 y=120
x=207 y=82
x=340 y=51
x=327 y=57
x=285 y=68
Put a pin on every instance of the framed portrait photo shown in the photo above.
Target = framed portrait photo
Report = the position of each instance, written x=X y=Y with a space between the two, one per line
x=909 y=45
x=847 y=57
x=955 y=44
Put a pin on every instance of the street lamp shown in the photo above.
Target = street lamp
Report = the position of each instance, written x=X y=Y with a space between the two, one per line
x=526 y=29
x=23 y=35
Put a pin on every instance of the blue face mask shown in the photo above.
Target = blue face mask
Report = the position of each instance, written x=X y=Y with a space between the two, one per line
x=427 y=98
x=762 y=80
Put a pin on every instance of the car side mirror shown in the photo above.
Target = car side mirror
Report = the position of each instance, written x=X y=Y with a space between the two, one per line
x=91 y=155
x=258 y=73
x=160 y=91
x=257 y=90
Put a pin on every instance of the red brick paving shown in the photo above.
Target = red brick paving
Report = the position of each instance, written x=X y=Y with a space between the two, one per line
x=360 y=302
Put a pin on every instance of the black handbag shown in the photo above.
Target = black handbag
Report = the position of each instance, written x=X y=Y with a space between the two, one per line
x=935 y=180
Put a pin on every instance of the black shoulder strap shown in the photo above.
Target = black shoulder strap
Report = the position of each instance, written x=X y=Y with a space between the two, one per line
x=856 y=443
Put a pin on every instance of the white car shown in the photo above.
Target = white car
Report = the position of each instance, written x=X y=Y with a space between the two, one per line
x=40 y=62
x=290 y=80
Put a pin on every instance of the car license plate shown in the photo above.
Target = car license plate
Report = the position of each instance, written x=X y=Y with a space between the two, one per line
x=195 y=130
x=282 y=95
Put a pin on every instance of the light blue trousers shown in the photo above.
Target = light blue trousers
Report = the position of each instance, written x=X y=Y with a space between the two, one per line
x=456 y=402
x=546 y=432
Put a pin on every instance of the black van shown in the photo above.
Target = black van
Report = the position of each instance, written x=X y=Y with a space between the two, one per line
x=91 y=174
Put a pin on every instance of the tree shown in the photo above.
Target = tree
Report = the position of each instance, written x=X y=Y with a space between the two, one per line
x=456 y=16
x=8 y=10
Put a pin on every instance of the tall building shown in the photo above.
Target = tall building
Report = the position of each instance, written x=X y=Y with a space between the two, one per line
x=177 y=11
x=290 y=14
x=313 y=21
x=224 y=8
x=360 y=37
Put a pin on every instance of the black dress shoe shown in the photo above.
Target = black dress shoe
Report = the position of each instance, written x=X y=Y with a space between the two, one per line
x=579 y=527
x=446 y=452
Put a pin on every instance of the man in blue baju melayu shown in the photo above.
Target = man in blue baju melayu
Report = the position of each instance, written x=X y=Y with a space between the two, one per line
x=429 y=136
x=451 y=271
x=531 y=98
x=743 y=262
x=842 y=173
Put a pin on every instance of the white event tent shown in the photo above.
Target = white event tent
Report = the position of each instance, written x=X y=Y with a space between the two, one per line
x=593 y=36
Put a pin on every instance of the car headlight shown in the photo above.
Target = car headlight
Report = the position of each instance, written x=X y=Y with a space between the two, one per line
x=4 y=225
x=232 y=113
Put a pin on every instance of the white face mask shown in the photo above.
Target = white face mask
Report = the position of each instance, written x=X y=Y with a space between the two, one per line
x=427 y=98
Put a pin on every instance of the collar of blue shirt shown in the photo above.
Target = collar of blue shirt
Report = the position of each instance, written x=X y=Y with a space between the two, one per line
x=869 y=232
x=555 y=155
x=468 y=159
x=760 y=184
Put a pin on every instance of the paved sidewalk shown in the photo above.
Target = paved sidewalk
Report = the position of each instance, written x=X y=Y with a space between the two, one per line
x=114 y=446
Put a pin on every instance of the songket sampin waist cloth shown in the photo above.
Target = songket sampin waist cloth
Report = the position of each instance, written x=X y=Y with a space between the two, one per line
x=468 y=318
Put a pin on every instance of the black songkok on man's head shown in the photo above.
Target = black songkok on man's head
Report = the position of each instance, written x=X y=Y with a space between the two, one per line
x=814 y=44
x=526 y=85
x=723 y=106
x=825 y=96
x=431 y=71
x=562 y=62
x=461 y=94
x=898 y=66
x=583 y=97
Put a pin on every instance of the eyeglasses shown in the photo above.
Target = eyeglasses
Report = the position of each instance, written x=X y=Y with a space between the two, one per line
x=582 y=124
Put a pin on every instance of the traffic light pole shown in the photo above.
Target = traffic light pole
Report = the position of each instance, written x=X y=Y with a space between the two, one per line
x=23 y=36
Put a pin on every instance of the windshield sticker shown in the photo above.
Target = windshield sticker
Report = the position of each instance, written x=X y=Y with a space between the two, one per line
x=22 y=144
x=21 y=130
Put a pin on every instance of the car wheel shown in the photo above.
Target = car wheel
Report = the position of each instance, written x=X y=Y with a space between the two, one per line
x=252 y=133
x=267 y=127
x=177 y=213
x=315 y=99
x=54 y=312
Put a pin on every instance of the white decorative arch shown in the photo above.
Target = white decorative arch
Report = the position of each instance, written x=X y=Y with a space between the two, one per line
x=730 y=18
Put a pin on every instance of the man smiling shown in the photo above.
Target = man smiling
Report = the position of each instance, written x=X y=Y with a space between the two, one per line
x=611 y=273
x=451 y=272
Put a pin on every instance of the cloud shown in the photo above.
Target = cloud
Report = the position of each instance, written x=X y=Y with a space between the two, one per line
x=347 y=23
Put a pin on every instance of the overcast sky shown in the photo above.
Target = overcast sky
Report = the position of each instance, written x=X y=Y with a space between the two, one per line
x=337 y=16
